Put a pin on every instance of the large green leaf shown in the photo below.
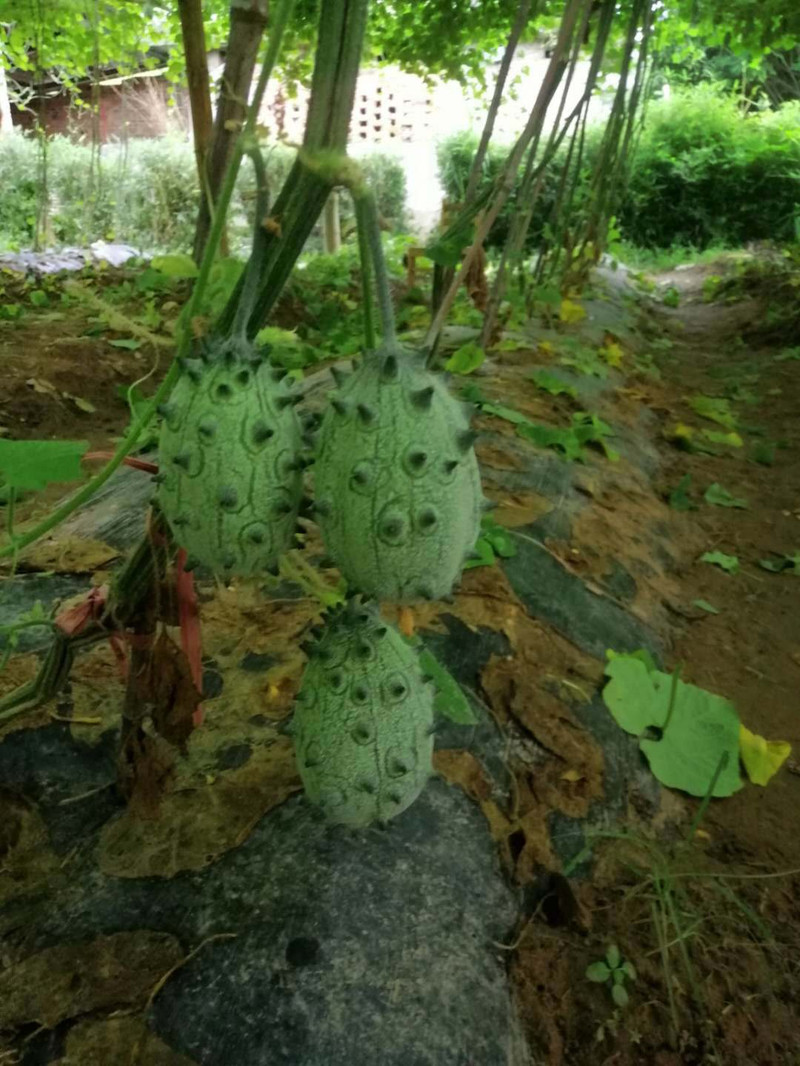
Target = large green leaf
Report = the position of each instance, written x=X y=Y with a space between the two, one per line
x=466 y=359
x=33 y=464
x=702 y=727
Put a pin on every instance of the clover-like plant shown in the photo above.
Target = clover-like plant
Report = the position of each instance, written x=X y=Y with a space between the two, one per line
x=613 y=971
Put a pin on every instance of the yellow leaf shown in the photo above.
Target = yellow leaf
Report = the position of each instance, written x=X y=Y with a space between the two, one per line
x=612 y=353
x=680 y=434
x=571 y=312
x=41 y=386
x=572 y=775
x=762 y=758
x=546 y=347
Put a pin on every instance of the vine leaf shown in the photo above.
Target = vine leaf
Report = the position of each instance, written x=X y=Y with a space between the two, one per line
x=720 y=497
x=679 y=499
x=494 y=540
x=715 y=409
x=466 y=359
x=702 y=729
x=728 y=563
x=762 y=758
x=34 y=464
x=450 y=701
x=543 y=379
x=784 y=563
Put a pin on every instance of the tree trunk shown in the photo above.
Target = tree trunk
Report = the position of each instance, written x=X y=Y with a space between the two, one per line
x=6 y=125
x=194 y=47
x=331 y=224
x=248 y=21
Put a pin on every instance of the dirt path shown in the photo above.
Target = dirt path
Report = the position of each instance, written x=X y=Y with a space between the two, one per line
x=750 y=651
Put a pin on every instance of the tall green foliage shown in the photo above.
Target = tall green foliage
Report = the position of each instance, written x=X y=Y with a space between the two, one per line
x=705 y=171
x=148 y=194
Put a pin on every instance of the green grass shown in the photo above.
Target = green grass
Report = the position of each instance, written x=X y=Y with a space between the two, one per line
x=659 y=260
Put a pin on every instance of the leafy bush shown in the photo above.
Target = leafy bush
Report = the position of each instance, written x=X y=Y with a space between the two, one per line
x=144 y=192
x=387 y=179
x=706 y=172
x=703 y=173
x=454 y=158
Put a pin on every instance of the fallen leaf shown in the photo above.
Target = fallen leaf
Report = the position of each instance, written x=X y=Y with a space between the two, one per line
x=572 y=775
x=704 y=605
x=195 y=827
x=715 y=409
x=91 y=975
x=108 y=1042
x=728 y=563
x=730 y=440
x=570 y=312
x=68 y=555
x=80 y=403
x=783 y=564
x=718 y=496
x=42 y=387
x=613 y=354
x=762 y=758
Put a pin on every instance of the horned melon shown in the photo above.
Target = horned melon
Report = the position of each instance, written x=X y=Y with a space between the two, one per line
x=230 y=477
x=363 y=722
x=398 y=492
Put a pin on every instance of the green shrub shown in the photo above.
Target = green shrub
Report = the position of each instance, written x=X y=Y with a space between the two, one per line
x=387 y=179
x=705 y=172
x=145 y=193
x=454 y=158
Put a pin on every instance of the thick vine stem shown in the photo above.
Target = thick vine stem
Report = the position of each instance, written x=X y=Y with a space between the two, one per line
x=130 y=591
x=250 y=288
x=366 y=279
x=368 y=219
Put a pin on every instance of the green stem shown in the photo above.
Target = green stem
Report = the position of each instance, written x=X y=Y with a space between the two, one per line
x=31 y=623
x=283 y=12
x=673 y=695
x=250 y=287
x=368 y=221
x=366 y=275
x=701 y=810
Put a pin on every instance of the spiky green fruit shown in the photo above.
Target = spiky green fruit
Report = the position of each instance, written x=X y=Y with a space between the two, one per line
x=230 y=477
x=398 y=490
x=363 y=724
